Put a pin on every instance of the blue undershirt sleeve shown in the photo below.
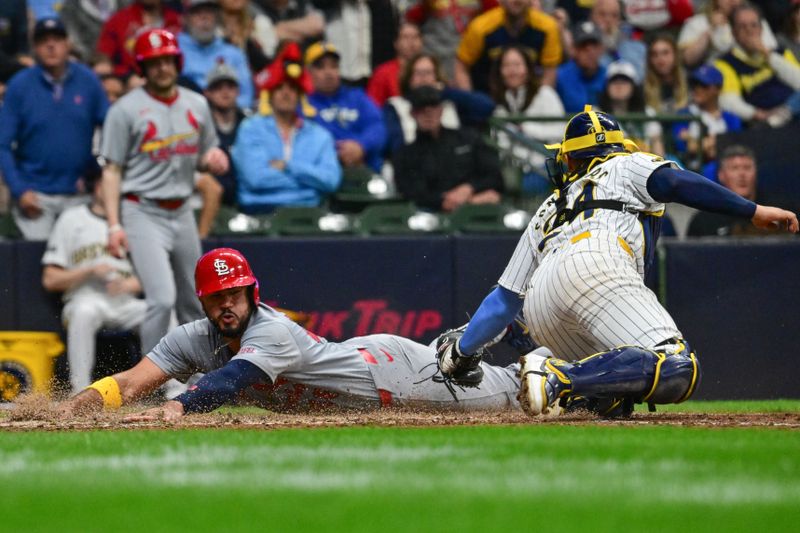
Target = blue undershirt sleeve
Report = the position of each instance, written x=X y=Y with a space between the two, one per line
x=684 y=187
x=220 y=386
x=496 y=312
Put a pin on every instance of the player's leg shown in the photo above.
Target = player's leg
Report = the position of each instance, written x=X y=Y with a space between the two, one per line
x=83 y=318
x=668 y=373
x=149 y=238
x=595 y=295
x=185 y=253
x=412 y=379
x=551 y=314
x=128 y=313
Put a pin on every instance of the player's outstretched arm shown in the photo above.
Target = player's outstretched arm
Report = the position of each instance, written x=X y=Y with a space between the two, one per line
x=114 y=391
x=775 y=218
x=669 y=184
x=496 y=312
x=212 y=391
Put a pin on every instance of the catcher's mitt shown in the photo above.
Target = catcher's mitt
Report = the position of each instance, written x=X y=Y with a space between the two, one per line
x=463 y=370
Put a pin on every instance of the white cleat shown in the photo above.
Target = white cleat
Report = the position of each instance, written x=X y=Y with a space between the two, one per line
x=536 y=395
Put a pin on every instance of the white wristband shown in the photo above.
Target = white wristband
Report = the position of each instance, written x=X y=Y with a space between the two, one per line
x=114 y=228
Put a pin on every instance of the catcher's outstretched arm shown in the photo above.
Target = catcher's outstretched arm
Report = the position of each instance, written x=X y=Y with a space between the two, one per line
x=674 y=185
x=688 y=188
x=496 y=312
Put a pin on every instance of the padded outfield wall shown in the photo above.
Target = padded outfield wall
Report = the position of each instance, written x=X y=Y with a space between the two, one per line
x=735 y=300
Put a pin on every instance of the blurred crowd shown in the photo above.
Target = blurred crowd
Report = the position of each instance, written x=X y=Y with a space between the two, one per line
x=403 y=90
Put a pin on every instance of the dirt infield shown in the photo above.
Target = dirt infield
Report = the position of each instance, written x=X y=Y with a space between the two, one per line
x=35 y=414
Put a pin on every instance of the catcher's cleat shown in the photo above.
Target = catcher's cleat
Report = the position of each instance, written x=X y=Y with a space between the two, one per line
x=602 y=407
x=541 y=387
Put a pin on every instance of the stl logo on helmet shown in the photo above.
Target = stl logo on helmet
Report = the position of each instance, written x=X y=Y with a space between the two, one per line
x=600 y=137
x=222 y=268
x=155 y=40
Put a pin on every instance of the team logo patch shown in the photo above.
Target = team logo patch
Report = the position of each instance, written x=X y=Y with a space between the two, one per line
x=221 y=266
x=600 y=137
x=155 y=40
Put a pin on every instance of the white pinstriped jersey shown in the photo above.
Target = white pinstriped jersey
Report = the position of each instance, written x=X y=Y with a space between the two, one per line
x=622 y=178
x=583 y=281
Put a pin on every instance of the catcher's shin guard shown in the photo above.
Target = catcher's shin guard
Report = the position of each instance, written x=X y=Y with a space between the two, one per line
x=668 y=374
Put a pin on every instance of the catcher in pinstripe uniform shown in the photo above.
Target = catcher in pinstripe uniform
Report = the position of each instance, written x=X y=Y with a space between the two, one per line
x=578 y=276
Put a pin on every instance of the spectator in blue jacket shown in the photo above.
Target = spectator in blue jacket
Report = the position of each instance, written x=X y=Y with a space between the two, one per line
x=582 y=80
x=203 y=49
x=283 y=159
x=347 y=112
x=46 y=128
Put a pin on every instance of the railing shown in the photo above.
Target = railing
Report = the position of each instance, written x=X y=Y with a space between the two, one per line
x=521 y=155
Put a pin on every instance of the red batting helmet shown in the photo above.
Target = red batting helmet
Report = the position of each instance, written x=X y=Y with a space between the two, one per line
x=221 y=269
x=156 y=43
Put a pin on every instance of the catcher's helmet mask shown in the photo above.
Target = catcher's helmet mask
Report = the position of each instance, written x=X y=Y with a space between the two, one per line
x=588 y=136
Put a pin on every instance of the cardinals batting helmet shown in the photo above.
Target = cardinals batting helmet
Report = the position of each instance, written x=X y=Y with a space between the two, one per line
x=156 y=43
x=221 y=269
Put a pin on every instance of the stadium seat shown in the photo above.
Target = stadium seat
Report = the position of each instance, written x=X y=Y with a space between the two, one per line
x=309 y=221
x=488 y=218
x=360 y=188
x=229 y=221
x=399 y=219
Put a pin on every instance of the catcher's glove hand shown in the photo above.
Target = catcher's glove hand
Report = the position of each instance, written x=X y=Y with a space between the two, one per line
x=463 y=370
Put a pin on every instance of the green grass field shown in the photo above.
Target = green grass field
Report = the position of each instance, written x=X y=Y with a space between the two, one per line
x=543 y=477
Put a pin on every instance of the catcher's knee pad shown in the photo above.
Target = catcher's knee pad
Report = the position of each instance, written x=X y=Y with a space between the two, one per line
x=676 y=374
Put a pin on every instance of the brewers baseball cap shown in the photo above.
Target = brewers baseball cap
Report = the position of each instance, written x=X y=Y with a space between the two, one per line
x=585 y=32
x=707 y=75
x=222 y=72
x=49 y=26
x=424 y=96
x=319 y=50
x=621 y=68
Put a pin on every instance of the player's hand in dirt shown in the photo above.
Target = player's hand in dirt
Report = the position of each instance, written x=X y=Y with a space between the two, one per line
x=169 y=412
x=774 y=218
x=215 y=161
x=118 y=242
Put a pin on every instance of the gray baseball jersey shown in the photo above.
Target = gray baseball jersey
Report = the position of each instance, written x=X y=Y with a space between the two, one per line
x=158 y=144
x=583 y=281
x=308 y=371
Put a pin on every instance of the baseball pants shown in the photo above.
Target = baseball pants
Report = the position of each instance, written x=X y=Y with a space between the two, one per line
x=83 y=317
x=588 y=297
x=164 y=248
